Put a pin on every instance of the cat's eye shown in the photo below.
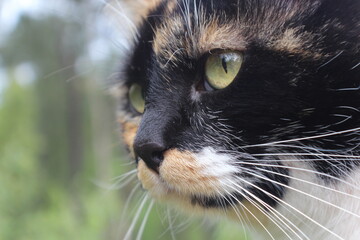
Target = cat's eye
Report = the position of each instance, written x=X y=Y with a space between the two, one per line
x=222 y=68
x=136 y=98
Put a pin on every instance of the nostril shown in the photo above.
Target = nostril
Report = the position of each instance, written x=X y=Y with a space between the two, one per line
x=151 y=154
x=156 y=159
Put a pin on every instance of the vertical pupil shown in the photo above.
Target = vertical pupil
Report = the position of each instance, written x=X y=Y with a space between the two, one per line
x=223 y=62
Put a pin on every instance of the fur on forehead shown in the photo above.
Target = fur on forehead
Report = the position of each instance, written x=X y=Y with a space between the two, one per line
x=177 y=37
x=191 y=33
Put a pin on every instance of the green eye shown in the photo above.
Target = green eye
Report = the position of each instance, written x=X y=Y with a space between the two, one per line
x=136 y=98
x=222 y=68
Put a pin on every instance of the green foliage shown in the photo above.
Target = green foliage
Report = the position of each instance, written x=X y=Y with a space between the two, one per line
x=58 y=137
x=20 y=144
x=31 y=207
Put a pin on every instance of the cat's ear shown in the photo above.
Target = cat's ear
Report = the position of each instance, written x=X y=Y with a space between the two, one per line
x=131 y=12
x=140 y=8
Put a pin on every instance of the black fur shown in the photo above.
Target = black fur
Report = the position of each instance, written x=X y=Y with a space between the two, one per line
x=277 y=95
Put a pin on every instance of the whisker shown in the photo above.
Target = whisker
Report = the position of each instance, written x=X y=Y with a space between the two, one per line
x=309 y=195
x=342 y=157
x=119 y=185
x=292 y=207
x=303 y=138
x=318 y=154
x=142 y=227
x=357 y=65
x=274 y=219
x=133 y=27
x=172 y=56
x=305 y=160
x=179 y=226
x=78 y=75
x=58 y=71
x=241 y=219
x=128 y=201
x=332 y=59
x=253 y=215
x=125 y=210
x=124 y=175
x=311 y=183
x=137 y=215
x=301 y=169
x=236 y=210
x=276 y=213
x=170 y=221
x=170 y=225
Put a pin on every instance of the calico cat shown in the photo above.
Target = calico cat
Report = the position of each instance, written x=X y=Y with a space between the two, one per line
x=248 y=109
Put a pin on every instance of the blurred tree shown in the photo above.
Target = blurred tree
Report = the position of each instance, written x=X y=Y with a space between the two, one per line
x=49 y=184
x=58 y=137
x=20 y=185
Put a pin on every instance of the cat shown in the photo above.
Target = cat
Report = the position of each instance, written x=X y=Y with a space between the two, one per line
x=246 y=109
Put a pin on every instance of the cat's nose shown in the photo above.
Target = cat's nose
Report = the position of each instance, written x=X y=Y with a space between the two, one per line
x=151 y=153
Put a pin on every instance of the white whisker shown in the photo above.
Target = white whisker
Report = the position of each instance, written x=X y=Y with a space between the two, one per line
x=142 y=227
x=357 y=65
x=332 y=59
x=301 y=169
x=119 y=10
x=119 y=184
x=276 y=213
x=136 y=217
x=307 y=194
x=171 y=223
x=172 y=56
x=311 y=183
x=342 y=157
x=289 y=205
x=125 y=175
x=253 y=215
x=303 y=138
x=129 y=198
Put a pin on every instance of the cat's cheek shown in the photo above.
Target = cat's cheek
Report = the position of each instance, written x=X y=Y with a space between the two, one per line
x=129 y=130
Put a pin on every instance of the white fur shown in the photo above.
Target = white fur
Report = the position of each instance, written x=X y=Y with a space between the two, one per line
x=219 y=165
x=312 y=216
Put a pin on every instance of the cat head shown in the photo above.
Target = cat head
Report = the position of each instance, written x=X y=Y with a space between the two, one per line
x=225 y=105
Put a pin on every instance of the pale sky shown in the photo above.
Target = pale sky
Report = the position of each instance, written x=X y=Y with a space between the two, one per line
x=12 y=10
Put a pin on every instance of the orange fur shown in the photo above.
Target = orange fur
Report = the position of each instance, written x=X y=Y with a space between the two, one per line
x=210 y=35
x=146 y=176
x=295 y=43
x=159 y=189
x=216 y=36
x=182 y=172
x=128 y=134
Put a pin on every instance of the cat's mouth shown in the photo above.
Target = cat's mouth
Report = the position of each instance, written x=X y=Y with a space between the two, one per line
x=191 y=178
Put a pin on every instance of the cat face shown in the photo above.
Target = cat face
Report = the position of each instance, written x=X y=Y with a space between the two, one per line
x=236 y=105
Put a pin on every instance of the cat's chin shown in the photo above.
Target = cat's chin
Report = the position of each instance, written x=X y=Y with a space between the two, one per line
x=163 y=192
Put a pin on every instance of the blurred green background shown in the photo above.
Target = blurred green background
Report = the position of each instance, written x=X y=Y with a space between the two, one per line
x=61 y=161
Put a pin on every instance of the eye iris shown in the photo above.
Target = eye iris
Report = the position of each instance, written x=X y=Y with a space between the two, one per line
x=221 y=69
x=136 y=98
